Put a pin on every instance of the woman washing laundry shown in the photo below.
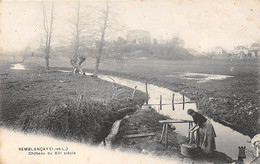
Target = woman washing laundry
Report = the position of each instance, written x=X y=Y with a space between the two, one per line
x=205 y=132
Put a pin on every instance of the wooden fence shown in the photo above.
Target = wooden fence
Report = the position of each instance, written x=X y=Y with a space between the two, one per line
x=172 y=103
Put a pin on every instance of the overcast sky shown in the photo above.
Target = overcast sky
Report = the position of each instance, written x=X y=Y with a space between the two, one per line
x=202 y=24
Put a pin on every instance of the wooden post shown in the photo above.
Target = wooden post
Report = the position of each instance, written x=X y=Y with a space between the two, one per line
x=133 y=94
x=79 y=103
x=189 y=130
x=147 y=95
x=160 y=102
x=162 y=133
x=173 y=101
x=183 y=99
x=104 y=142
x=197 y=99
x=166 y=135
x=67 y=120
x=49 y=110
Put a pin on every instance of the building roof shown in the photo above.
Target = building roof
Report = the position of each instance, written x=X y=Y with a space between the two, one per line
x=240 y=47
x=255 y=45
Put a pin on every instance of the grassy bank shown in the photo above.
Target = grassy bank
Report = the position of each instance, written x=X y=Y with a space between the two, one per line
x=63 y=105
x=89 y=123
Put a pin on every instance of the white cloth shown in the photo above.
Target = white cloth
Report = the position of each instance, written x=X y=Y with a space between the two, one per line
x=255 y=141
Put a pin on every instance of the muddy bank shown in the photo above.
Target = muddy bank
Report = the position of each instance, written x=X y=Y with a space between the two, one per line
x=64 y=105
x=239 y=113
x=147 y=121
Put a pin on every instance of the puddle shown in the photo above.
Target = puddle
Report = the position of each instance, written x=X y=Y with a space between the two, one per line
x=227 y=139
x=65 y=71
x=199 y=77
x=18 y=67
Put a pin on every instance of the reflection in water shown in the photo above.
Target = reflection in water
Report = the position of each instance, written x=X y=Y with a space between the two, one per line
x=18 y=67
x=227 y=140
x=109 y=139
x=199 y=77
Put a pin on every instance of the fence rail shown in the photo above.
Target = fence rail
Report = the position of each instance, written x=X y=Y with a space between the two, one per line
x=161 y=104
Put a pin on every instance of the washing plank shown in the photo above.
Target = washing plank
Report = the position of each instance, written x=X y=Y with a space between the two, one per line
x=140 y=135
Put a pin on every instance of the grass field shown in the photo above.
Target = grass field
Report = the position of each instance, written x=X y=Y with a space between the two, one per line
x=48 y=102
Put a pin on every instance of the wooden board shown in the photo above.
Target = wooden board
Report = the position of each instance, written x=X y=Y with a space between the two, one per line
x=140 y=135
x=175 y=121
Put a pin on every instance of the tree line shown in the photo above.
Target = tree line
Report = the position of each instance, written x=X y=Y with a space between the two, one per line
x=89 y=31
x=86 y=31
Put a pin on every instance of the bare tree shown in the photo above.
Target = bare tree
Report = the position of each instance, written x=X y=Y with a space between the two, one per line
x=78 y=25
x=77 y=28
x=76 y=35
x=102 y=39
x=88 y=33
x=26 y=51
x=47 y=25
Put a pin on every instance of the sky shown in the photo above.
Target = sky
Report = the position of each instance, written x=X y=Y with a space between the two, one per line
x=202 y=24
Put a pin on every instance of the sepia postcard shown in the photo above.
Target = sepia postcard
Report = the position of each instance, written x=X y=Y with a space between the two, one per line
x=129 y=81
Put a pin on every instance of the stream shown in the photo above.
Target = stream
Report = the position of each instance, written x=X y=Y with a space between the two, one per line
x=227 y=140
